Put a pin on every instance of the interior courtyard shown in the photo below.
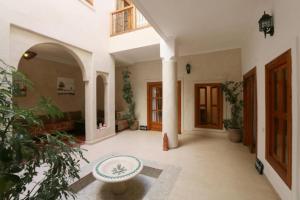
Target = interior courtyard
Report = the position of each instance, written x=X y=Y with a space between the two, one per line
x=195 y=99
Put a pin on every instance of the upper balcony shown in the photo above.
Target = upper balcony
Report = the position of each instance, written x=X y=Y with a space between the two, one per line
x=91 y=2
x=141 y=41
x=126 y=18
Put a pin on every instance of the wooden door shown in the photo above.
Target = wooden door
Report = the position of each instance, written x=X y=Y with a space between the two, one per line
x=250 y=110
x=154 y=106
x=208 y=106
x=279 y=116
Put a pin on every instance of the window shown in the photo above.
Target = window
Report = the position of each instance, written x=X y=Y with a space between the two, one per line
x=279 y=116
x=208 y=106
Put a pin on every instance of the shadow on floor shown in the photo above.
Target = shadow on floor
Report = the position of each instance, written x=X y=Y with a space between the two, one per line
x=79 y=136
x=135 y=191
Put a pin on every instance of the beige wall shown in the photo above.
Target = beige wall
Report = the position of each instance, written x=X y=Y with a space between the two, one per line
x=43 y=74
x=206 y=68
x=41 y=26
x=258 y=51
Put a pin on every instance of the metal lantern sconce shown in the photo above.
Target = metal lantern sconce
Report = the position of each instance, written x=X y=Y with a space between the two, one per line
x=266 y=24
x=188 y=68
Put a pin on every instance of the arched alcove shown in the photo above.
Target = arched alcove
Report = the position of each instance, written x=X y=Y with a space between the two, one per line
x=101 y=102
x=57 y=73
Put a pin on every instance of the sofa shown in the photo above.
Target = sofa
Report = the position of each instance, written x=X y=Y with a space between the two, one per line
x=69 y=122
x=121 y=121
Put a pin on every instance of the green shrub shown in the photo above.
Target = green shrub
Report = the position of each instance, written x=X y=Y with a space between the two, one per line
x=233 y=95
x=22 y=154
x=128 y=97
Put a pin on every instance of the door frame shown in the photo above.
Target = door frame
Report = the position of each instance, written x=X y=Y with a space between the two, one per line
x=248 y=139
x=149 y=105
x=284 y=172
x=196 y=106
x=179 y=89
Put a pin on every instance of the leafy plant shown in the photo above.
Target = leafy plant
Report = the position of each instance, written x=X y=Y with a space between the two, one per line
x=33 y=167
x=233 y=94
x=128 y=97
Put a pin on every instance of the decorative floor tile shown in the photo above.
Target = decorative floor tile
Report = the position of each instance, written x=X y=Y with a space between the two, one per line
x=155 y=182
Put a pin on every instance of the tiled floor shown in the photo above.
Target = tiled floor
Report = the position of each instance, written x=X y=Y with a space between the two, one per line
x=212 y=168
x=155 y=182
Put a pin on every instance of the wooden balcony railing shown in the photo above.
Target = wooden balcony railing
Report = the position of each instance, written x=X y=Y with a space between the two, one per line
x=127 y=19
x=90 y=2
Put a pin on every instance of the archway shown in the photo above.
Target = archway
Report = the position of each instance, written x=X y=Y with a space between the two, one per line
x=101 y=101
x=56 y=73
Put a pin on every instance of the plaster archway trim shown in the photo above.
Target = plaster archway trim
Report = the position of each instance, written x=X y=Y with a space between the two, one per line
x=65 y=48
x=103 y=75
x=22 y=40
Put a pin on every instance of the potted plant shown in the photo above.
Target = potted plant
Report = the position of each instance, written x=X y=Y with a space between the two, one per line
x=128 y=97
x=23 y=155
x=233 y=95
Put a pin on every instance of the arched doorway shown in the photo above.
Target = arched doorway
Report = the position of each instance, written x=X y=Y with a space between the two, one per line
x=56 y=74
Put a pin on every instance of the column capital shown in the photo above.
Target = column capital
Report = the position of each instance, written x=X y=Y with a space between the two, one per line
x=168 y=50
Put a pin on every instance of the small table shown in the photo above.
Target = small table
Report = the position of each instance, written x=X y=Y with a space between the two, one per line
x=117 y=170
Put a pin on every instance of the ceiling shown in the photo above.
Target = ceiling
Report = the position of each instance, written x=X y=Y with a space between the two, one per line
x=200 y=25
x=129 y=57
x=53 y=52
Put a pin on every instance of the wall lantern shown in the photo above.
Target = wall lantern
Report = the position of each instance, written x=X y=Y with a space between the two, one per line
x=29 y=55
x=188 y=68
x=266 y=24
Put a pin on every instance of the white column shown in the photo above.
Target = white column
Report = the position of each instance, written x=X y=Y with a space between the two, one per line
x=169 y=79
x=90 y=111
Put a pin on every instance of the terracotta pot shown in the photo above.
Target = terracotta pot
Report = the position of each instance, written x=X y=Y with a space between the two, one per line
x=235 y=135
x=134 y=126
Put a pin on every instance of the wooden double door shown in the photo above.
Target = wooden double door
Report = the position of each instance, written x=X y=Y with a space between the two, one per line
x=250 y=110
x=208 y=106
x=155 y=106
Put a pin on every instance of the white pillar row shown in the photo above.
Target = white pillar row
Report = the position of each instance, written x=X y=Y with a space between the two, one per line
x=169 y=81
x=88 y=99
x=90 y=111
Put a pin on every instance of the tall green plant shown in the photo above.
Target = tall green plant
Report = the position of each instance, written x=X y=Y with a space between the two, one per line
x=233 y=94
x=22 y=155
x=128 y=97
